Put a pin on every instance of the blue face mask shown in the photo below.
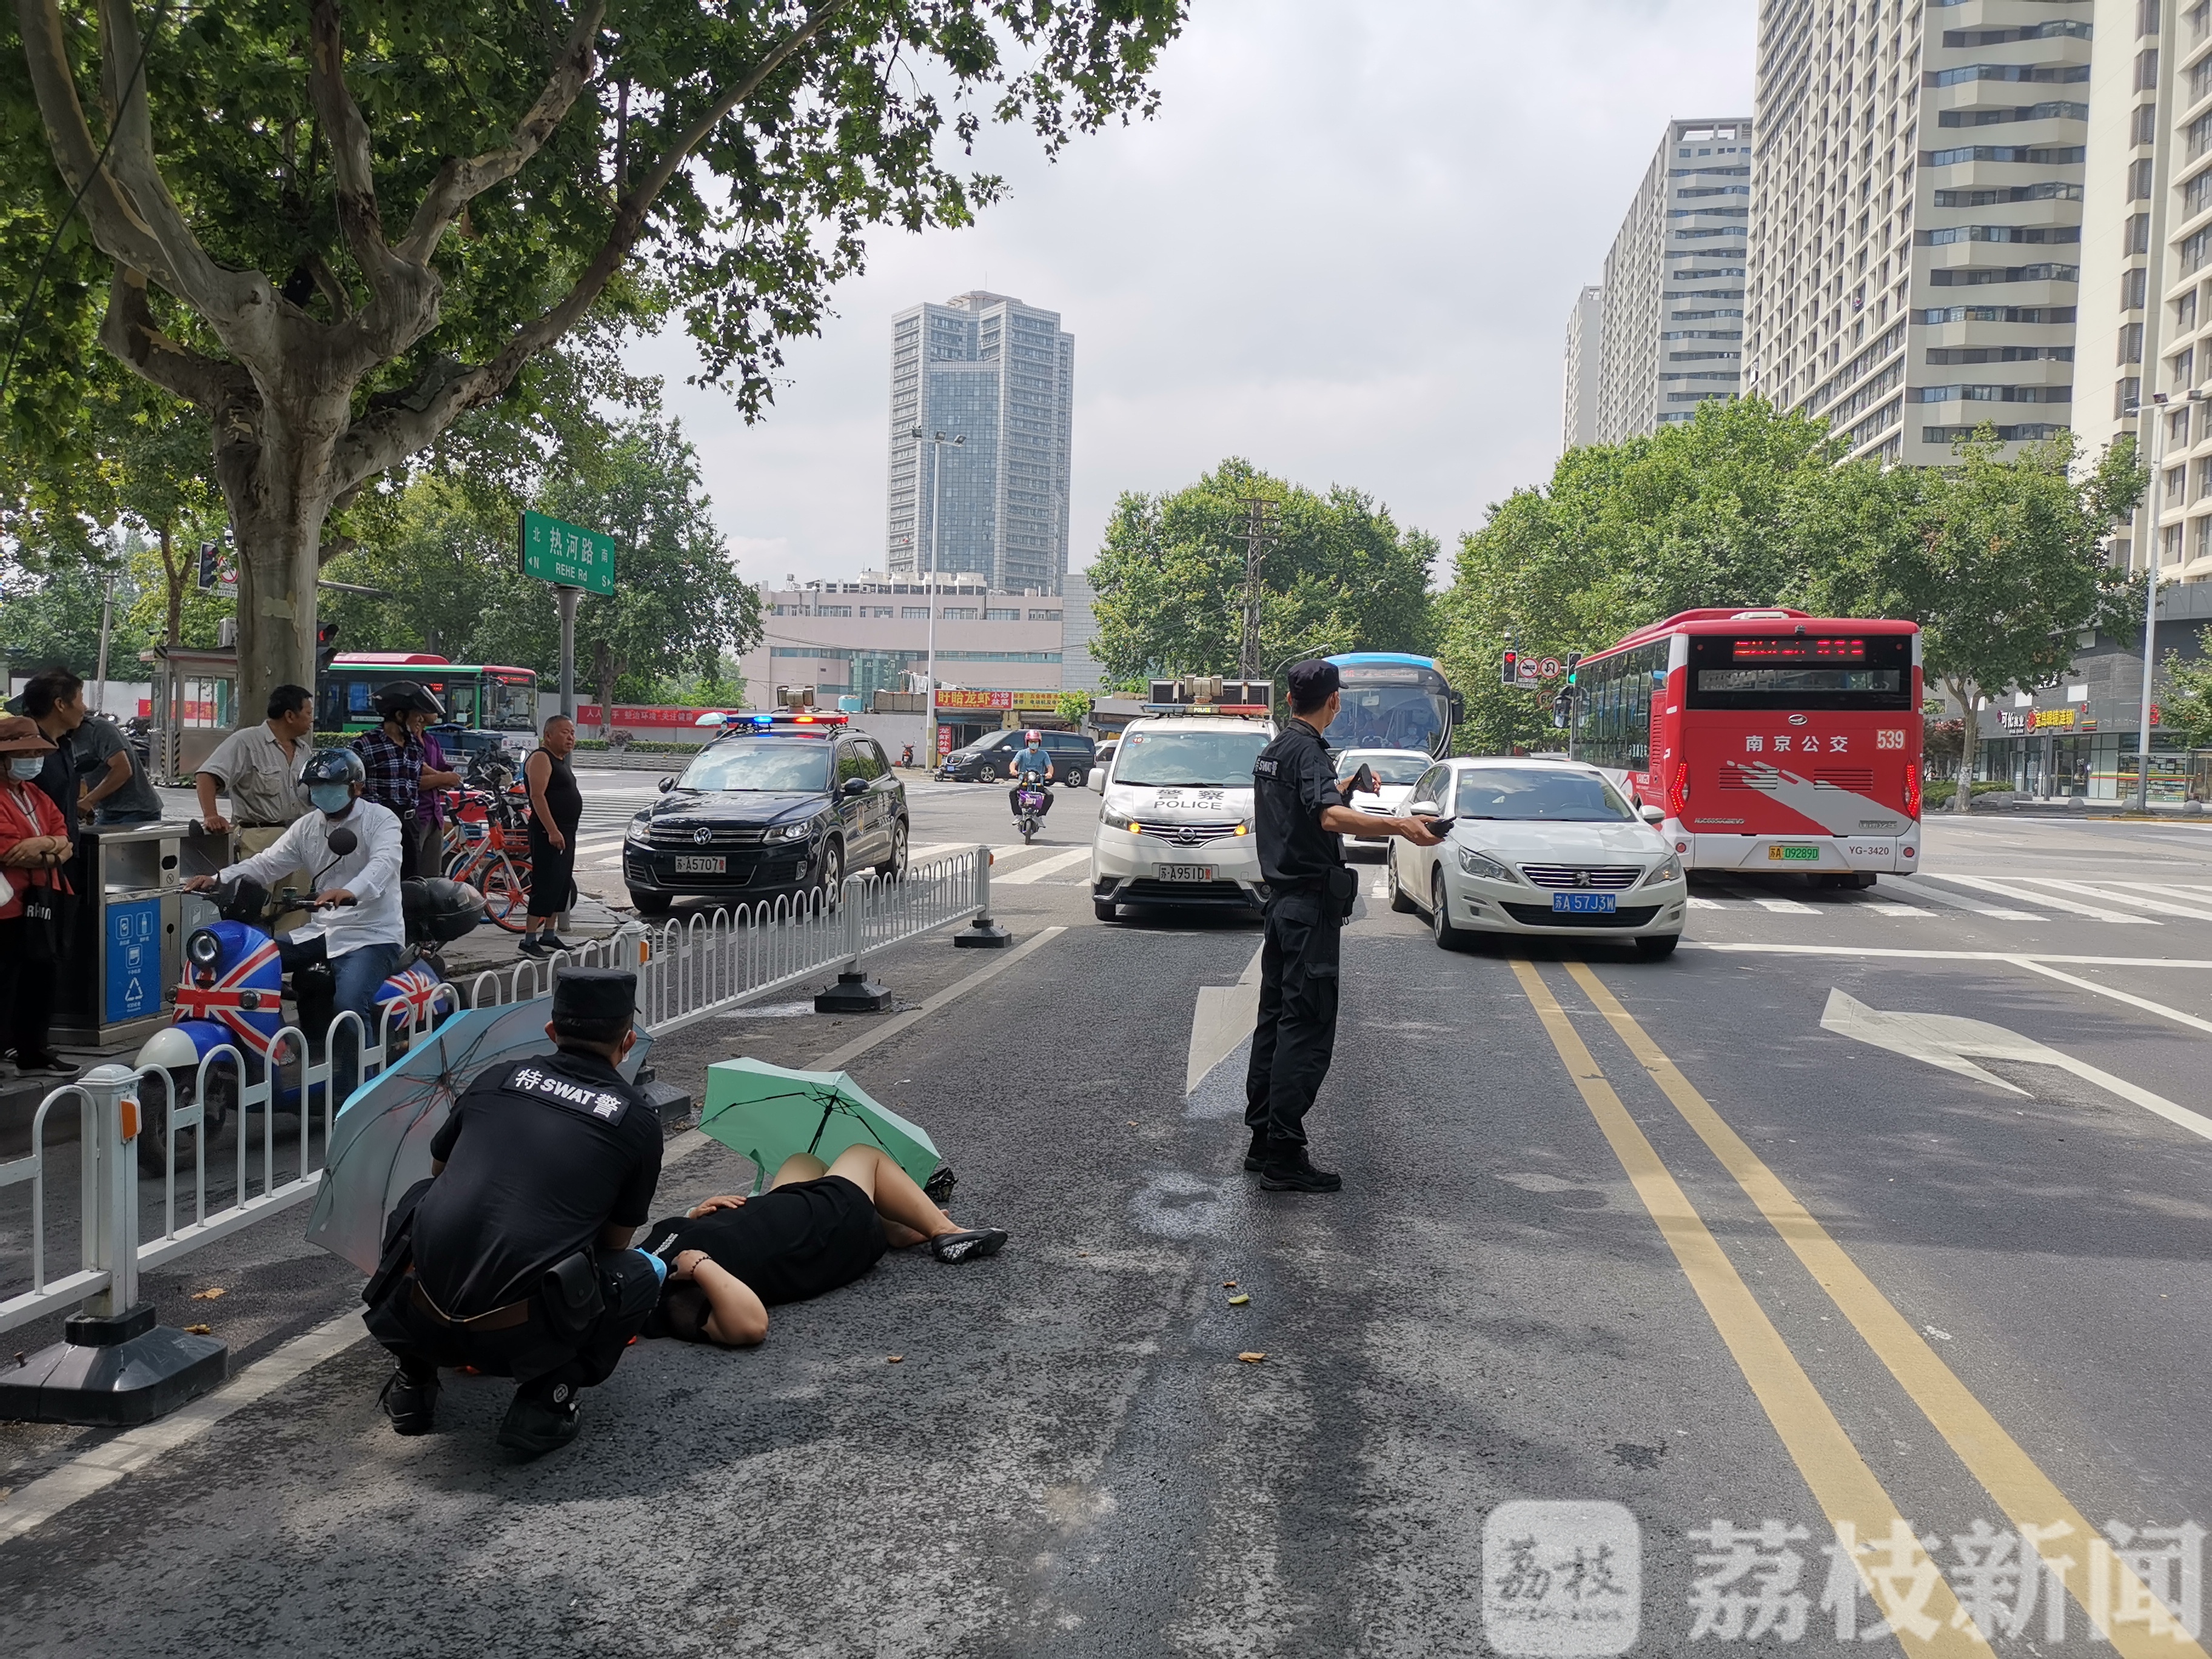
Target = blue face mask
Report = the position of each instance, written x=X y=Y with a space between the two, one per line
x=26 y=767
x=331 y=798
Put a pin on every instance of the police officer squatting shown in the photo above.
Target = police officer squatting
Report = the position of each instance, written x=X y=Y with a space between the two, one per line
x=1300 y=818
x=515 y=1258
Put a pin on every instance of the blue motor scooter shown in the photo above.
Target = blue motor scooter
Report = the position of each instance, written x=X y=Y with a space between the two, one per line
x=233 y=994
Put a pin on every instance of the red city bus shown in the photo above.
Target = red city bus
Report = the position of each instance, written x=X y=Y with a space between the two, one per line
x=1773 y=739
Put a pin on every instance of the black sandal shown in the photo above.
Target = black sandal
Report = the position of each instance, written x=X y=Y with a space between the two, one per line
x=968 y=1244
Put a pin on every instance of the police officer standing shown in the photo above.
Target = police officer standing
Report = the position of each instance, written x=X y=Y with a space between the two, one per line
x=514 y=1257
x=1300 y=812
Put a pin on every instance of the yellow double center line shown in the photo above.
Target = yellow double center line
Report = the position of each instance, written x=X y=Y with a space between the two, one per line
x=1924 y=1614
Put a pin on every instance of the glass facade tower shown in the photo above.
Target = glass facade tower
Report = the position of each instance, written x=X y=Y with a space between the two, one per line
x=1000 y=375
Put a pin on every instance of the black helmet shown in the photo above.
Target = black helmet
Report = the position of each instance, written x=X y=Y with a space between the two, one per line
x=399 y=697
x=332 y=766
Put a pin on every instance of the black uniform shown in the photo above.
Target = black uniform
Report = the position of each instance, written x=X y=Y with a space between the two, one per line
x=492 y=1262
x=1309 y=886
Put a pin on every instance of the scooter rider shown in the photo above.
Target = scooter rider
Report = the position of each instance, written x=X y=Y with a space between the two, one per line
x=1032 y=757
x=357 y=926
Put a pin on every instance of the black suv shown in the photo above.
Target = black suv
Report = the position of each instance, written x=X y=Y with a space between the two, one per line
x=770 y=808
x=990 y=760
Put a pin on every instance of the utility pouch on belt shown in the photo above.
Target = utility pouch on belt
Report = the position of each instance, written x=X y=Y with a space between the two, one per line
x=1344 y=887
x=572 y=1296
x=398 y=1245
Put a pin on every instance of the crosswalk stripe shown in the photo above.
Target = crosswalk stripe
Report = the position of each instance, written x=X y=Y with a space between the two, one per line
x=1030 y=873
x=1982 y=884
x=2160 y=906
x=1697 y=903
x=1787 y=907
x=1952 y=902
x=1887 y=908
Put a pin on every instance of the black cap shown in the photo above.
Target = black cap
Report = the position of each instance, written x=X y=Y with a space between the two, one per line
x=594 y=998
x=1313 y=683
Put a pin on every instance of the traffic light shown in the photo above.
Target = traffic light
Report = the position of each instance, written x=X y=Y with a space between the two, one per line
x=326 y=644
x=210 y=569
x=1574 y=658
x=1509 y=668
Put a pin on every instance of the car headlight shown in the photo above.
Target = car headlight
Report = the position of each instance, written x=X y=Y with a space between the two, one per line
x=1474 y=864
x=641 y=831
x=1669 y=870
x=791 y=832
x=1115 y=821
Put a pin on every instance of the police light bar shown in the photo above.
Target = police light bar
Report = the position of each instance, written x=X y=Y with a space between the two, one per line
x=1212 y=692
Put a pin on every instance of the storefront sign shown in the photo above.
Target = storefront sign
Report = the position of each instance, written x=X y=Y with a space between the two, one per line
x=2046 y=720
x=958 y=698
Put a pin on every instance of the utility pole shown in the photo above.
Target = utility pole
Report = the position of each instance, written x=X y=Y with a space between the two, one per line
x=936 y=442
x=1258 y=531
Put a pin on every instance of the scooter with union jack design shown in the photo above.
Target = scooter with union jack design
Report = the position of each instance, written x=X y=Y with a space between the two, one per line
x=233 y=994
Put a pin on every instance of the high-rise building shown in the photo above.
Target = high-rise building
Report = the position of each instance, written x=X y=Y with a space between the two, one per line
x=2146 y=212
x=1080 y=671
x=1585 y=341
x=1001 y=376
x=1673 y=282
x=1917 y=217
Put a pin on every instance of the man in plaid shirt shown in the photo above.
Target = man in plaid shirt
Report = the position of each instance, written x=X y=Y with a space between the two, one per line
x=394 y=755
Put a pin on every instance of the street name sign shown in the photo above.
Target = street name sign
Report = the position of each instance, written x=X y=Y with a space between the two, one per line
x=568 y=554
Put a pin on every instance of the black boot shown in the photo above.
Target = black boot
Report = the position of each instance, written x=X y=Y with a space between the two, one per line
x=1292 y=1171
x=542 y=1418
x=410 y=1401
x=1255 y=1156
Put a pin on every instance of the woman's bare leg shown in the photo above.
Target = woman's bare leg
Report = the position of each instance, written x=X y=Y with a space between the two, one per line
x=909 y=1215
x=799 y=1166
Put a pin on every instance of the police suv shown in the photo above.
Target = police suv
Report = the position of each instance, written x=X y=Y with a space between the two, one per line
x=1175 y=824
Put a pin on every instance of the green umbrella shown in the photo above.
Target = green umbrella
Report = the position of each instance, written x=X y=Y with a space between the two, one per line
x=769 y=1112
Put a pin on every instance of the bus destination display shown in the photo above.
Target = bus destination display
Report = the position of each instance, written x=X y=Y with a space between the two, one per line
x=1799 y=649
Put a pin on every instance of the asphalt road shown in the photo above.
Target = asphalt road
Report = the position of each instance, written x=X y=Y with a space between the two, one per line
x=1710 y=1240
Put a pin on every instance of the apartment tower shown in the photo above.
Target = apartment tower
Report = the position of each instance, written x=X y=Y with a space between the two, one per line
x=1672 y=334
x=1917 y=207
x=1000 y=376
x=1585 y=338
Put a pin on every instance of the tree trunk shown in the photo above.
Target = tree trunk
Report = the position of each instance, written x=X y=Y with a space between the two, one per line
x=1964 y=693
x=606 y=668
x=174 y=580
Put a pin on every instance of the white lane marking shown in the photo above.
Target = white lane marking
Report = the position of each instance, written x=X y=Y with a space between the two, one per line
x=1952 y=902
x=1982 y=883
x=2117 y=995
x=1752 y=947
x=102 y=1466
x=599 y=843
x=836 y=1058
x=2163 y=907
x=1045 y=866
x=1787 y=907
x=942 y=849
x=1697 y=903
x=1887 y=908
x=1946 y=1040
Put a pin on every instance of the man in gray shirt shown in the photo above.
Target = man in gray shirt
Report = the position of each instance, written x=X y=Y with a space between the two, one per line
x=258 y=766
x=115 y=789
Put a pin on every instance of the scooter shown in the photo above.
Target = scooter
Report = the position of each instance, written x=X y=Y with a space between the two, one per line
x=1030 y=799
x=233 y=994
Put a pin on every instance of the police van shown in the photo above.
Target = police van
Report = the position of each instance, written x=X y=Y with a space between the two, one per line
x=1175 y=823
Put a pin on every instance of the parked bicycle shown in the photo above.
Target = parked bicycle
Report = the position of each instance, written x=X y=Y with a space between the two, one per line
x=488 y=841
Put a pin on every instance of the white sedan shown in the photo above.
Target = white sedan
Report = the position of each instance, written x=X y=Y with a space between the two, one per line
x=1395 y=772
x=1542 y=848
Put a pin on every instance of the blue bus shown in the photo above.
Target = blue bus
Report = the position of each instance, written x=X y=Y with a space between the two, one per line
x=1393 y=700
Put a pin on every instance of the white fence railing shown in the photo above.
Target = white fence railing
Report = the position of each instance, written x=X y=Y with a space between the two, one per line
x=128 y=1119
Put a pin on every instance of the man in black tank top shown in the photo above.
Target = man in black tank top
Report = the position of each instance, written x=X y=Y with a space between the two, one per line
x=556 y=806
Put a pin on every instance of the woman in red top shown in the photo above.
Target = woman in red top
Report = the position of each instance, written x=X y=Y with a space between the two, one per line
x=33 y=847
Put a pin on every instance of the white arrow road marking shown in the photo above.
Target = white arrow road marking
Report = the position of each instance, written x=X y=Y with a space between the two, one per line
x=1983 y=884
x=2164 y=907
x=1946 y=1040
x=1030 y=873
x=1223 y=1018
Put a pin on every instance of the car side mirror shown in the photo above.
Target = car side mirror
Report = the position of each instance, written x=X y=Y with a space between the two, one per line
x=1651 y=814
x=856 y=786
x=1423 y=809
x=667 y=784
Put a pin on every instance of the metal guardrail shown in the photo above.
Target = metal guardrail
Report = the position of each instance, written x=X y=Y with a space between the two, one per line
x=687 y=971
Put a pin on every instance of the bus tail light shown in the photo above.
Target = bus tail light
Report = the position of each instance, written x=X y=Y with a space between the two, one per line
x=1677 y=791
x=1912 y=790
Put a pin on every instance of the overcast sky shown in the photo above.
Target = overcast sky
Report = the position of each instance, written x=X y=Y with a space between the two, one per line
x=1345 y=250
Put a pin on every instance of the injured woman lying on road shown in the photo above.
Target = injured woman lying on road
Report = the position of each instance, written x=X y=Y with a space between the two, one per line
x=731 y=1258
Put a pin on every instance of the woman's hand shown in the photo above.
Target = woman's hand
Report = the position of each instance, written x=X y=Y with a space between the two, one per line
x=686 y=1261
x=719 y=1201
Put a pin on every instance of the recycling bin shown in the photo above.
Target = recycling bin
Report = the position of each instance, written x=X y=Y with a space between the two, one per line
x=122 y=936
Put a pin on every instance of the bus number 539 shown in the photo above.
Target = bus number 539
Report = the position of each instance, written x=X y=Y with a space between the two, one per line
x=1889 y=739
